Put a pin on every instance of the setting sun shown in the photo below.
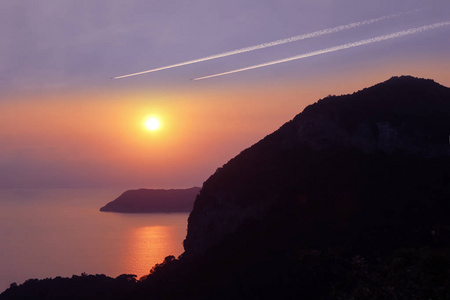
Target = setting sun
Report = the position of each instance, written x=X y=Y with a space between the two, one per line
x=152 y=124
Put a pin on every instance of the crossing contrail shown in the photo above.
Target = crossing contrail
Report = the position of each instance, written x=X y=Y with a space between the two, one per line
x=275 y=43
x=336 y=48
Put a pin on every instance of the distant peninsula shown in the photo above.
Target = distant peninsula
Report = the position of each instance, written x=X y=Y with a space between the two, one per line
x=153 y=201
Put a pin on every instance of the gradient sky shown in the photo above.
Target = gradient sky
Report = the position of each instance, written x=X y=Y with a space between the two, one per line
x=65 y=123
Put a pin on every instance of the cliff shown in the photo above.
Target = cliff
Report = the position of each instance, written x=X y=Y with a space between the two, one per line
x=153 y=201
x=346 y=168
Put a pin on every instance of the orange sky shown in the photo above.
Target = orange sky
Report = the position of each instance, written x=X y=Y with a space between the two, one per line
x=98 y=138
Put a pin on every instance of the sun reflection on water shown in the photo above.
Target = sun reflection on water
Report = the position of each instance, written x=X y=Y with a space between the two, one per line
x=147 y=247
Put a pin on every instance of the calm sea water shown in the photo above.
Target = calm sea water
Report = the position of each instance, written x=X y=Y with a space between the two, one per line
x=61 y=232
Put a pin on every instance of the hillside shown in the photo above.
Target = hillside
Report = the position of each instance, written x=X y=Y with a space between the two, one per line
x=338 y=168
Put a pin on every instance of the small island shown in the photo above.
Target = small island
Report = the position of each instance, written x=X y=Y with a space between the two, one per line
x=153 y=201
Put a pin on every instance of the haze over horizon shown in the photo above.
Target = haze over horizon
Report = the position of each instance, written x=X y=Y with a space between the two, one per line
x=65 y=123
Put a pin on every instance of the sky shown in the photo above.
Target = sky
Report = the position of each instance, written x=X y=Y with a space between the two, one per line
x=64 y=122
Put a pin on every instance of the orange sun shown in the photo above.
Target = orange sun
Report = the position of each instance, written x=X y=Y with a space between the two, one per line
x=152 y=124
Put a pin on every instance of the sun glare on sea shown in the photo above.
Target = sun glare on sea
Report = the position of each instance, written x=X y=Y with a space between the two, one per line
x=152 y=124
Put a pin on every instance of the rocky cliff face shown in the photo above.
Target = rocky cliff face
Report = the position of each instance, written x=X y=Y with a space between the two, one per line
x=318 y=164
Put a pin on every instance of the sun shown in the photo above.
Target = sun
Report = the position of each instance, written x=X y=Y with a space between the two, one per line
x=152 y=124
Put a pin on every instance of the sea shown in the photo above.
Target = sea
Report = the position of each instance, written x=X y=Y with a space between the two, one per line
x=45 y=233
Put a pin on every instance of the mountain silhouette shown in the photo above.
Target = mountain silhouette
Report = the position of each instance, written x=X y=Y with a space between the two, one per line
x=376 y=158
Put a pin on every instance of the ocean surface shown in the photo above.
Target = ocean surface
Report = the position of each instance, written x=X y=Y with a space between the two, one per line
x=61 y=232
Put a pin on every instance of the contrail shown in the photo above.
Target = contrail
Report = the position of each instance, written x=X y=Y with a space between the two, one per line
x=337 y=48
x=275 y=43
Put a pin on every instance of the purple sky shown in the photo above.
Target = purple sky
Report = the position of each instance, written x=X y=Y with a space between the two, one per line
x=54 y=48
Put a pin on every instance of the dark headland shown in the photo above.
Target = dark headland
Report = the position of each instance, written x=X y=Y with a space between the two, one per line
x=153 y=201
x=349 y=200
